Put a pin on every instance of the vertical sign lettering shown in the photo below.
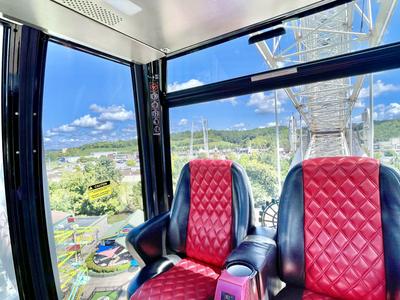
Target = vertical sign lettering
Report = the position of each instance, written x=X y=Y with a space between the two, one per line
x=155 y=105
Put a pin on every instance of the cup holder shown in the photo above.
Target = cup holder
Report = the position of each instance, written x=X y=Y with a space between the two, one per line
x=236 y=283
x=239 y=271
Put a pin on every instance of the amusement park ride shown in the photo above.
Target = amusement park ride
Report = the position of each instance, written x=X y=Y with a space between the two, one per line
x=202 y=242
x=70 y=242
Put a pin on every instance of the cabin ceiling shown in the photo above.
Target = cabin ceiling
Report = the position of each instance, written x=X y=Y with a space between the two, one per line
x=142 y=30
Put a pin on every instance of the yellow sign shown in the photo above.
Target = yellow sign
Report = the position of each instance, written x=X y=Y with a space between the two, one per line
x=99 y=190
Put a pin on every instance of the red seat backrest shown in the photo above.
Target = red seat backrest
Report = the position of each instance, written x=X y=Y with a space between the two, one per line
x=343 y=241
x=209 y=231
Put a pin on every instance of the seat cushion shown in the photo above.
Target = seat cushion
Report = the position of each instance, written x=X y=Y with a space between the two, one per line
x=188 y=279
x=295 y=293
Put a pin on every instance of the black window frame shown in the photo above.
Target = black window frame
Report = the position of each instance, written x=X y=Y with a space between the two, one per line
x=154 y=151
x=370 y=60
x=23 y=67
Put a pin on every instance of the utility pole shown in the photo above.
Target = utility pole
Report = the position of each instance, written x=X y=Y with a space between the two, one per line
x=191 y=142
x=278 y=156
x=205 y=135
x=371 y=115
x=301 y=138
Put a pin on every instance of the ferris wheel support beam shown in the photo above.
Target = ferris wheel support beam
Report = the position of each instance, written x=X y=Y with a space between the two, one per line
x=382 y=20
x=314 y=49
x=273 y=64
x=326 y=107
x=362 y=34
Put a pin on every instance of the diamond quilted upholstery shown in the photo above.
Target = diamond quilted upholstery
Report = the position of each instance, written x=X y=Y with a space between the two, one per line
x=188 y=279
x=342 y=228
x=310 y=295
x=209 y=232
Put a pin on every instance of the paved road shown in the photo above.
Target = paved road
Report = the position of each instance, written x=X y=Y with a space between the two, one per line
x=120 y=280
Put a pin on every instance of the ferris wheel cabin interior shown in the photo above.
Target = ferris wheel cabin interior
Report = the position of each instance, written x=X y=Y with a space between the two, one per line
x=200 y=149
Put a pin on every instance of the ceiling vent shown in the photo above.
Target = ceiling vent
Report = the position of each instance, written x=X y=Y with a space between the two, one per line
x=92 y=10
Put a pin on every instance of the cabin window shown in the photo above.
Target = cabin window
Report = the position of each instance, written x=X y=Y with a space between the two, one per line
x=241 y=129
x=329 y=33
x=93 y=170
x=8 y=281
x=385 y=129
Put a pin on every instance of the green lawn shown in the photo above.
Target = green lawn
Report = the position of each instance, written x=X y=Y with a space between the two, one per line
x=112 y=295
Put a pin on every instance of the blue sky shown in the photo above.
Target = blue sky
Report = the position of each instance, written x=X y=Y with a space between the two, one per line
x=88 y=99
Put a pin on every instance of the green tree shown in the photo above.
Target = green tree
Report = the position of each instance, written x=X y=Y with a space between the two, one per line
x=136 y=198
x=262 y=177
x=71 y=193
x=131 y=163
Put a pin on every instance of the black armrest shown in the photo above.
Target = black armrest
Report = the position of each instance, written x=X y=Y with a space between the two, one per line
x=263 y=231
x=146 y=242
x=260 y=254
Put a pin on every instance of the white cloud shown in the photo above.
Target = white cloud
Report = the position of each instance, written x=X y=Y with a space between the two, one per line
x=71 y=140
x=50 y=133
x=113 y=112
x=183 y=122
x=390 y=111
x=239 y=125
x=265 y=103
x=122 y=115
x=379 y=88
x=97 y=108
x=360 y=103
x=46 y=139
x=129 y=129
x=231 y=100
x=356 y=119
x=94 y=132
x=105 y=126
x=86 y=121
x=65 y=128
x=176 y=86
x=269 y=124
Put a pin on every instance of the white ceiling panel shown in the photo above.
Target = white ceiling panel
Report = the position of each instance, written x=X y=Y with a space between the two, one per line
x=140 y=30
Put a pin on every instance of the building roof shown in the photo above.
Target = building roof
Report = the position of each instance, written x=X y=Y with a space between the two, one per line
x=133 y=220
x=58 y=216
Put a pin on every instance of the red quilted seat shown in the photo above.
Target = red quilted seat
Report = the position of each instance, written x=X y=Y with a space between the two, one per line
x=188 y=279
x=310 y=295
x=201 y=230
x=343 y=228
x=339 y=230
x=210 y=216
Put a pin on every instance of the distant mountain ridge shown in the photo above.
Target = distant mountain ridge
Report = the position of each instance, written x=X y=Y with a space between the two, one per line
x=222 y=139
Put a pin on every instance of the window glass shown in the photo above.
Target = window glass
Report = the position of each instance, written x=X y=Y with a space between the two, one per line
x=241 y=129
x=8 y=282
x=350 y=27
x=93 y=170
x=386 y=117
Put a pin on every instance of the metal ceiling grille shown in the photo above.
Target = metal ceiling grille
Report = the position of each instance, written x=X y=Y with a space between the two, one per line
x=92 y=10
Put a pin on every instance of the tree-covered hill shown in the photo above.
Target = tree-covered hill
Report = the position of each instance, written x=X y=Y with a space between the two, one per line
x=387 y=129
x=221 y=139
x=231 y=139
